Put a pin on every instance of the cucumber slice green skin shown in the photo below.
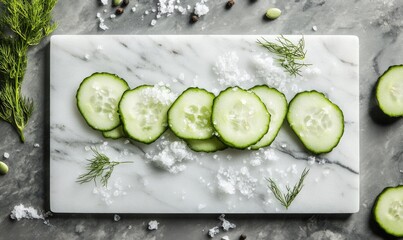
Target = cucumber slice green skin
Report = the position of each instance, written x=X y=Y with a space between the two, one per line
x=190 y=115
x=389 y=91
x=388 y=210
x=208 y=145
x=276 y=104
x=316 y=142
x=239 y=117
x=115 y=133
x=138 y=128
x=104 y=117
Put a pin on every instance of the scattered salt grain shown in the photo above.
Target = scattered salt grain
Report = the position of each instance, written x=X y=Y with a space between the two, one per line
x=201 y=8
x=213 y=231
x=225 y=224
x=146 y=12
x=86 y=57
x=315 y=28
x=311 y=160
x=153 y=22
x=153 y=225
x=111 y=192
x=225 y=237
x=21 y=212
x=36 y=145
x=230 y=181
x=116 y=218
x=134 y=9
x=6 y=155
x=228 y=70
x=126 y=141
x=170 y=155
x=112 y=16
x=104 y=2
x=201 y=206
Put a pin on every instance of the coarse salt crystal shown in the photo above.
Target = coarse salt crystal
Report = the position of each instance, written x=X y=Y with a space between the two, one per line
x=153 y=225
x=116 y=218
x=104 y=2
x=201 y=206
x=213 y=231
x=21 y=212
x=153 y=22
x=225 y=224
x=315 y=28
x=112 y=16
x=225 y=237
x=134 y=9
x=201 y=9
x=6 y=155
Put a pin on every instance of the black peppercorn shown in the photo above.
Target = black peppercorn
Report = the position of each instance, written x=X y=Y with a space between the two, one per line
x=125 y=3
x=194 y=18
x=119 y=11
x=242 y=237
x=229 y=4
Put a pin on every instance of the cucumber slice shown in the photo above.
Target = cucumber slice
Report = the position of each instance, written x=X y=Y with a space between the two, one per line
x=240 y=117
x=190 y=115
x=389 y=91
x=143 y=112
x=97 y=100
x=208 y=145
x=388 y=210
x=317 y=122
x=276 y=104
x=115 y=133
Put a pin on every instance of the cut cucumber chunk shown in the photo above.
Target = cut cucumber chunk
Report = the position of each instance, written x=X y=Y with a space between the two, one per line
x=190 y=115
x=114 y=133
x=276 y=104
x=388 y=210
x=240 y=117
x=208 y=145
x=389 y=91
x=143 y=112
x=97 y=100
x=317 y=122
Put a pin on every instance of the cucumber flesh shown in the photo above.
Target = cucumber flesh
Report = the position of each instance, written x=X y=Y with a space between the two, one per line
x=114 y=133
x=240 y=117
x=276 y=104
x=207 y=145
x=317 y=122
x=143 y=112
x=190 y=115
x=97 y=100
x=389 y=91
x=388 y=210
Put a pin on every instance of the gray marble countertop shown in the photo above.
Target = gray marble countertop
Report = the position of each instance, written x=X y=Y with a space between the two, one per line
x=377 y=23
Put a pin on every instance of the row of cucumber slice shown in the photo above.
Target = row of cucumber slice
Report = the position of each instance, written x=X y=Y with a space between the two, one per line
x=236 y=118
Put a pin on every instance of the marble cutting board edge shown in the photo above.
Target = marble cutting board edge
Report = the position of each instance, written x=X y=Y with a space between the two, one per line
x=332 y=185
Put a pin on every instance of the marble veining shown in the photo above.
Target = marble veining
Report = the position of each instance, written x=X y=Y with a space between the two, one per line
x=332 y=185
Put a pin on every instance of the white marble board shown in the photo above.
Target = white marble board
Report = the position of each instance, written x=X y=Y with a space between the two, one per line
x=332 y=185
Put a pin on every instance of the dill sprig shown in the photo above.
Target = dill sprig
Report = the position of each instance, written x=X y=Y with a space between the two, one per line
x=99 y=166
x=287 y=198
x=288 y=53
x=23 y=23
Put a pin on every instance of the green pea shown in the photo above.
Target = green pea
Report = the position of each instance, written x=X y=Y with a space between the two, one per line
x=116 y=3
x=273 y=13
x=3 y=168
